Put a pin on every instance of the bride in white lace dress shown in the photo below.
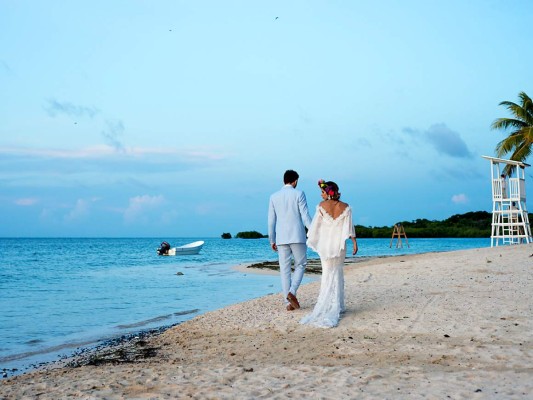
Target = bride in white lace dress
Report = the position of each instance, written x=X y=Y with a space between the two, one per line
x=331 y=227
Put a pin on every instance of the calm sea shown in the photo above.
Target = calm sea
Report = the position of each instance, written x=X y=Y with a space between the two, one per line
x=62 y=294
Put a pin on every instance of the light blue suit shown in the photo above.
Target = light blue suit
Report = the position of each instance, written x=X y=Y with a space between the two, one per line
x=288 y=216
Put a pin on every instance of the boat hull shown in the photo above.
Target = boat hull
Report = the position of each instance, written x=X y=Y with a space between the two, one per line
x=185 y=250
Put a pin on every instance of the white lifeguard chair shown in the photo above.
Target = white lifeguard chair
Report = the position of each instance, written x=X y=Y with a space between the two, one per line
x=510 y=221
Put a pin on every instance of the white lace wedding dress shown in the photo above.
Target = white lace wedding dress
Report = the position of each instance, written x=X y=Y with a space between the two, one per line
x=327 y=236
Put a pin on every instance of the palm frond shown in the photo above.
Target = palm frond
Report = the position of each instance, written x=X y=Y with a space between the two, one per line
x=518 y=111
x=506 y=123
x=508 y=170
x=524 y=98
x=527 y=105
x=519 y=142
x=527 y=132
x=507 y=145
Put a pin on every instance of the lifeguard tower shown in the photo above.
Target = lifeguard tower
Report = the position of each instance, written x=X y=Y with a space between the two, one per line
x=510 y=221
x=397 y=232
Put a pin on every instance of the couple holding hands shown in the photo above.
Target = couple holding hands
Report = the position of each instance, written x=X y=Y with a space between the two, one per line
x=331 y=226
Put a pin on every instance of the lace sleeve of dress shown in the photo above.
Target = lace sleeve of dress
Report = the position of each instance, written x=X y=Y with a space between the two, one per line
x=313 y=232
x=348 y=230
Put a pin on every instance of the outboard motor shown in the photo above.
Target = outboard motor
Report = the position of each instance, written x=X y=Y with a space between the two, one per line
x=163 y=249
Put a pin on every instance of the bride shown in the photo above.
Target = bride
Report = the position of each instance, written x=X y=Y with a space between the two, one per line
x=331 y=226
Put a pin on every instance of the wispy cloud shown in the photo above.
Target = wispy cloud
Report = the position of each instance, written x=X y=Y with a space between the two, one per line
x=54 y=108
x=26 y=202
x=459 y=198
x=88 y=152
x=140 y=166
x=107 y=151
x=112 y=132
x=80 y=210
x=5 y=67
x=446 y=141
x=139 y=205
x=442 y=139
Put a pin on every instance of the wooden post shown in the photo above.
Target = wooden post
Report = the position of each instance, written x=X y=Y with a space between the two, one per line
x=398 y=232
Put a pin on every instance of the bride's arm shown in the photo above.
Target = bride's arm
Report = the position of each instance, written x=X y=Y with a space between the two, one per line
x=355 y=247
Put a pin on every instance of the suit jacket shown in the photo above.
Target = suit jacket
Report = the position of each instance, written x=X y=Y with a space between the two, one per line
x=288 y=216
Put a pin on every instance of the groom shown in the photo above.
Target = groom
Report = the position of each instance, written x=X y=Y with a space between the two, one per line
x=287 y=215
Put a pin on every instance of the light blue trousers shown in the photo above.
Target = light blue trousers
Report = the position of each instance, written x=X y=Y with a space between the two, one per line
x=298 y=251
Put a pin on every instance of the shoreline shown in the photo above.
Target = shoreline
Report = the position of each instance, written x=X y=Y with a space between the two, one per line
x=122 y=348
x=431 y=325
x=63 y=333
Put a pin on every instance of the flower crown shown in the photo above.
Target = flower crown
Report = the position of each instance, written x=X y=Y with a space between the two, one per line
x=329 y=190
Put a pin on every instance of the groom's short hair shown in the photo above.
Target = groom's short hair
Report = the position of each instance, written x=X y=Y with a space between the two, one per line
x=290 y=176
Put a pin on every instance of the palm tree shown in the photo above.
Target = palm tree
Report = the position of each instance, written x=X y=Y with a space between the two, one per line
x=520 y=140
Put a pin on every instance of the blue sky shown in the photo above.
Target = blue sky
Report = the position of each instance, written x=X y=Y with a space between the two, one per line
x=178 y=118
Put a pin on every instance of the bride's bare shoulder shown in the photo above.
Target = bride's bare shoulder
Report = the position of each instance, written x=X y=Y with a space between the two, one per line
x=343 y=205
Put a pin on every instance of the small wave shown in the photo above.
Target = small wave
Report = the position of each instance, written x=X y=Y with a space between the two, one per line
x=186 y=312
x=145 y=322
x=156 y=319
x=47 y=350
x=34 y=342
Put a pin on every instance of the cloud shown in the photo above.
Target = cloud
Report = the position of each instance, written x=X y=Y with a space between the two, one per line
x=446 y=141
x=364 y=142
x=25 y=202
x=140 y=166
x=4 y=66
x=442 y=138
x=139 y=205
x=27 y=152
x=80 y=210
x=411 y=131
x=459 y=199
x=107 y=151
x=112 y=133
x=54 y=108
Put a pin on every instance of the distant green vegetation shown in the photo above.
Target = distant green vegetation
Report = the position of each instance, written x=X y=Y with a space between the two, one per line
x=250 y=235
x=473 y=224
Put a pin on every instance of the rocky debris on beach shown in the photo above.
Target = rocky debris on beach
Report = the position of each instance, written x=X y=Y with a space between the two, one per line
x=7 y=371
x=124 y=349
x=132 y=351
x=313 y=264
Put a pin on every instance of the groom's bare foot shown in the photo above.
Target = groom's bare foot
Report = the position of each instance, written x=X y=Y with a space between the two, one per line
x=293 y=300
x=290 y=308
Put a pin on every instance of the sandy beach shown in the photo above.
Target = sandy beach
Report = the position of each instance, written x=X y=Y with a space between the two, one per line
x=436 y=326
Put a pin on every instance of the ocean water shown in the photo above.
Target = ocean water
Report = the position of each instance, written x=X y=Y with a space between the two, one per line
x=62 y=294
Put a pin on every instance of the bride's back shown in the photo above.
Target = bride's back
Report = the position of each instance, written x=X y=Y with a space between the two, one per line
x=334 y=207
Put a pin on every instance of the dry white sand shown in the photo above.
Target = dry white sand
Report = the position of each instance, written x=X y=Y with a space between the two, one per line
x=441 y=325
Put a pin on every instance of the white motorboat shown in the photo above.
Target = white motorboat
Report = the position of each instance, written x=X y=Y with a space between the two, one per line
x=187 y=249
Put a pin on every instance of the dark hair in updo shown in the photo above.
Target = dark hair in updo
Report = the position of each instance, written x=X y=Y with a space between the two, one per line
x=330 y=188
